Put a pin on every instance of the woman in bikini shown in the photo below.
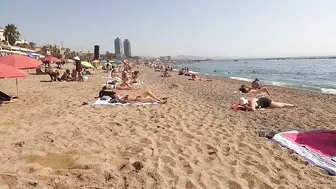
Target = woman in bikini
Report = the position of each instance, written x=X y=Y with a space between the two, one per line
x=252 y=104
x=144 y=97
x=253 y=92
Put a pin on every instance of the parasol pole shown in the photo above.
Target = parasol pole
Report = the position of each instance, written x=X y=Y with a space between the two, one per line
x=17 y=88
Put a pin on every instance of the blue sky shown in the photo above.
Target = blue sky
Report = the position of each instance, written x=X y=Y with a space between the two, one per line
x=214 y=28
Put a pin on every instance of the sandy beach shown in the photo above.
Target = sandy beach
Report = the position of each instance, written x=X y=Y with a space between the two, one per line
x=50 y=140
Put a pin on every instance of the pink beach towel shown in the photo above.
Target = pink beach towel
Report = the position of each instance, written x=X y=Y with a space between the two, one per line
x=321 y=142
x=317 y=147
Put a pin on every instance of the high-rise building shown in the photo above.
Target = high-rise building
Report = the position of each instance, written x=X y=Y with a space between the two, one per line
x=118 y=47
x=127 y=48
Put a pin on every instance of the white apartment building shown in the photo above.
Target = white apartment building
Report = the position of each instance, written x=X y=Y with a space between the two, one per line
x=2 y=31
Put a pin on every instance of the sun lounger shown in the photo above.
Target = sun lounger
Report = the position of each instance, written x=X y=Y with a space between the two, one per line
x=101 y=101
x=317 y=147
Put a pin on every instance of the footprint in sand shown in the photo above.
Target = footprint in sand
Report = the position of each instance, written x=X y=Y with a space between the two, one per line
x=169 y=160
x=234 y=185
x=145 y=141
x=185 y=166
x=189 y=184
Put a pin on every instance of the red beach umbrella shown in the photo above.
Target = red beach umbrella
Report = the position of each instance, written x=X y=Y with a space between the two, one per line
x=11 y=72
x=51 y=59
x=20 y=61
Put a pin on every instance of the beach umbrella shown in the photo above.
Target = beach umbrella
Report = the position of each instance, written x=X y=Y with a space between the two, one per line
x=51 y=59
x=20 y=61
x=86 y=64
x=7 y=71
x=104 y=61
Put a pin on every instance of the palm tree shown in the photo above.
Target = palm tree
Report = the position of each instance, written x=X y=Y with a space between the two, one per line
x=11 y=34
x=32 y=45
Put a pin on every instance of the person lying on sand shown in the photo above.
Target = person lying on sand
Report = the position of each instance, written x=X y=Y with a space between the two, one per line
x=144 y=97
x=252 y=104
x=252 y=92
x=196 y=78
x=6 y=98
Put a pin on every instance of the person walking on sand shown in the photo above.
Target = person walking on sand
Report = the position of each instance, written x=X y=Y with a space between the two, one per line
x=79 y=69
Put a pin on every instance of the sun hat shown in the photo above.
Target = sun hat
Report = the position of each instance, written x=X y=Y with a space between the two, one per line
x=76 y=58
x=243 y=101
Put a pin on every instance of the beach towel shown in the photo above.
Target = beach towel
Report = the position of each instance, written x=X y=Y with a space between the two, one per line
x=317 y=147
x=101 y=101
x=138 y=83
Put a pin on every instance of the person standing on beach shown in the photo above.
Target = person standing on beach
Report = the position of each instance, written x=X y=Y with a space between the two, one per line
x=79 y=69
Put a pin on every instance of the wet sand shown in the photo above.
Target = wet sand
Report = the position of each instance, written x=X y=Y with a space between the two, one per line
x=50 y=140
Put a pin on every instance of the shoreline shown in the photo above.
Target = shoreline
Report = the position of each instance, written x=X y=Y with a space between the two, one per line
x=284 y=85
x=193 y=141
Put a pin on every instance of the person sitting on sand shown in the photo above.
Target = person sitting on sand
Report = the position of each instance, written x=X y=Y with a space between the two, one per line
x=182 y=71
x=252 y=92
x=86 y=72
x=256 y=84
x=54 y=74
x=66 y=76
x=144 y=97
x=252 y=104
x=113 y=72
x=135 y=77
x=39 y=71
x=196 y=78
x=166 y=73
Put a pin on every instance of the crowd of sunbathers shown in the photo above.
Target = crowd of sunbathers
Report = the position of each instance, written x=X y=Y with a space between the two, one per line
x=127 y=78
x=78 y=74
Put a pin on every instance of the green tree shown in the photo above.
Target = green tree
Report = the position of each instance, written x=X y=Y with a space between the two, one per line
x=11 y=34
x=32 y=45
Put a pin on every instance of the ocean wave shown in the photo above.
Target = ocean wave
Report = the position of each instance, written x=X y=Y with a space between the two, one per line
x=192 y=72
x=276 y=83
x=240 y=79
x=328 y=91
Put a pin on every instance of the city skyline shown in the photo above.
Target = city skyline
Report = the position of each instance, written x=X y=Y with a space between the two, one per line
x=215 y=28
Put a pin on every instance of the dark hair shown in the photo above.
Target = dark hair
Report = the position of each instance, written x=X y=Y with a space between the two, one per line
x=256 y=79
x=243 y=89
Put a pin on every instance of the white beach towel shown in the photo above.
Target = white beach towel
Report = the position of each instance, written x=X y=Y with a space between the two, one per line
x=106 y=103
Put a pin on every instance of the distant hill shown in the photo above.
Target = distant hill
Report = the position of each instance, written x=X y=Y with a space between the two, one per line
x=190 y=57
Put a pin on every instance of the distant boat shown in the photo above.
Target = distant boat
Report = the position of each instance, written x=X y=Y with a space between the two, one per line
x=235 y=60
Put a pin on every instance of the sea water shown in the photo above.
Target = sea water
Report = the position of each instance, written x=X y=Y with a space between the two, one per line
x=309 y=74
